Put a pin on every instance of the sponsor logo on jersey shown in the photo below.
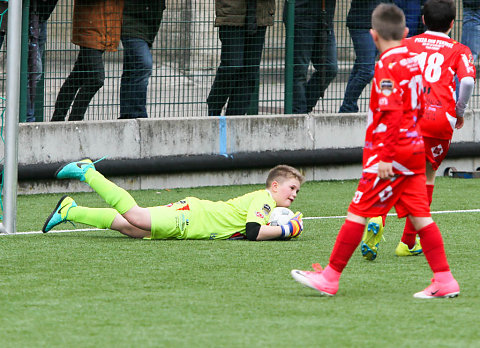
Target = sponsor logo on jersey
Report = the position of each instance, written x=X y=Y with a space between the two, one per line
x=386 y=86
x=186 y=207
x=267 y=209
x=260 y=215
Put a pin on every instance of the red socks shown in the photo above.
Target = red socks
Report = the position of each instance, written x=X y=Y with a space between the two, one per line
x=349 y=236
x=432 y=245
x=409 y=232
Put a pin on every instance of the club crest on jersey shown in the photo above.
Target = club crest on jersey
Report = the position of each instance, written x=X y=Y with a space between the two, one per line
x=437 y=150
x=267 y=209
x=386 y=86
x=260 y=215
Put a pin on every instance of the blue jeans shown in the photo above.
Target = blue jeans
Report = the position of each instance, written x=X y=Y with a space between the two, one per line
x=363 y=68
x=413 y=15
x=471 y=31
x=238 y=72
x=137 y=69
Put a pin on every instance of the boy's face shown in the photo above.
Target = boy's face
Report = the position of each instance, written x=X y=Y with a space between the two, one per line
x=285 y=192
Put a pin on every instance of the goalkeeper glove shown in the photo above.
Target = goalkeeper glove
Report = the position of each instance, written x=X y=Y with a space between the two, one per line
x=294 y=227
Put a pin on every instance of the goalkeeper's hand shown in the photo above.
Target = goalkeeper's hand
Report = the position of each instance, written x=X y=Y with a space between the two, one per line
x=294 y=227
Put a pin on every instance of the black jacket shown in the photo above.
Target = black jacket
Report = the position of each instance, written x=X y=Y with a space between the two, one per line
x=142 y=18
x=473 y=4
x=360 y=13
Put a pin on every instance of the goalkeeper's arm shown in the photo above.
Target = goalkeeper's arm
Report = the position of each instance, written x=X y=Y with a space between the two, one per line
x=292 y=229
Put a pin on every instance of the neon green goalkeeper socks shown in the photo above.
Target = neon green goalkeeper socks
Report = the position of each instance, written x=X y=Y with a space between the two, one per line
x=97 y=217
x=115 y=196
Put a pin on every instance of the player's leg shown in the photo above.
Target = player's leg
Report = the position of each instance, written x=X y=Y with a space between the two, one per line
x=123 y=226
x=67 y=210
x=374 y=197
x=414 y=204
x=326 y=281
x=115 y=196
x=443 y=283
x=409 y=244
x=435 y=152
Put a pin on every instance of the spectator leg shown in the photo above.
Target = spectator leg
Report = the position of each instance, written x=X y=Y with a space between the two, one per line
x=92 y=77
x=324 y=61
x=362 y=71
x=231 y=63
x=137 y=69
x=245 y=85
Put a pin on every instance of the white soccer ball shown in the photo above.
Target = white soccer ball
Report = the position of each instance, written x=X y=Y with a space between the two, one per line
x=280 y=216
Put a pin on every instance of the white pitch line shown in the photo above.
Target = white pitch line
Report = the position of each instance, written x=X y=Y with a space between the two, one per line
x=56 y=231
x=305 y=218
x=394 y=214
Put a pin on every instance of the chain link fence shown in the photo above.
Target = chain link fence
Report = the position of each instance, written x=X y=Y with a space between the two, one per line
x=185 y=56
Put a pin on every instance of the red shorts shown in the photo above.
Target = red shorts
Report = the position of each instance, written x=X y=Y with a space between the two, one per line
x=436 y=150
x=375 y=197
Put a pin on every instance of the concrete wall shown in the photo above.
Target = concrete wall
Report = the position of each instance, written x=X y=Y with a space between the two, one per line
x=44 y=143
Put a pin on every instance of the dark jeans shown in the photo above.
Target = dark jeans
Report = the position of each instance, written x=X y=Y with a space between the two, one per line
x=238 y=72
x=36 y=47
x=363 y=68
x=413 y=15
x=137 y=69
x=308 y=47
x=86 y=78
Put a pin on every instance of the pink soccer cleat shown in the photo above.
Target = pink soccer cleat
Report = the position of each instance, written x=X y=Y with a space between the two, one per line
x=315 y=280
x=439 y=290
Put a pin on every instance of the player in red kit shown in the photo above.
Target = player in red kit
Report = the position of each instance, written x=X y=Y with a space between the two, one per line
x=441 y=59
x=393 y=163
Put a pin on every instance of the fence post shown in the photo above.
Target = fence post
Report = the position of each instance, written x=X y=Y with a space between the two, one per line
x=289 y=42
x=24 y=61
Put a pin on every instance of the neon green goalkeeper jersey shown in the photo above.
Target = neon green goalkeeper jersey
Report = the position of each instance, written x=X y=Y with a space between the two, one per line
x=221 y=220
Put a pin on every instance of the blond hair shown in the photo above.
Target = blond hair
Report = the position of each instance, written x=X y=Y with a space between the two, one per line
x=388 y=20
x=283 y=172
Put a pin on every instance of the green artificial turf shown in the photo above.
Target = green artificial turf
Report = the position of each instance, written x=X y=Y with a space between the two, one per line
x=101 y=289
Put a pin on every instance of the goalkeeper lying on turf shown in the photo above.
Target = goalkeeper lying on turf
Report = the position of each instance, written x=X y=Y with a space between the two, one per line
x=244 y=217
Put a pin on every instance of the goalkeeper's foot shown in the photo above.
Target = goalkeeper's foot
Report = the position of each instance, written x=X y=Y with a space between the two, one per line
x=439 y=290
x=75 y=170
x=371 y=238
x=403 y=250
x=59 y=214
x=315 y=280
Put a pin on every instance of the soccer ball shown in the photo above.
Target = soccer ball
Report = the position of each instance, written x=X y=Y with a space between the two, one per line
x=280 y=216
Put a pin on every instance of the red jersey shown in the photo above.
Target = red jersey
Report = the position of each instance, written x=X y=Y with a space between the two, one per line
x=440 y=58
x=393 y=134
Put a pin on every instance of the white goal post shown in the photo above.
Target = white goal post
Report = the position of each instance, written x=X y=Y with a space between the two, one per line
x=14 y=41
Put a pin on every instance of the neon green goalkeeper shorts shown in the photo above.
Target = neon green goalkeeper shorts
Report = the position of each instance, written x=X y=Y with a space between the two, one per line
x=168 y=223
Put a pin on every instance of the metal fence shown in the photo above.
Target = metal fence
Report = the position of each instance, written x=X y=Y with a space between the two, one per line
x=186 y=55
